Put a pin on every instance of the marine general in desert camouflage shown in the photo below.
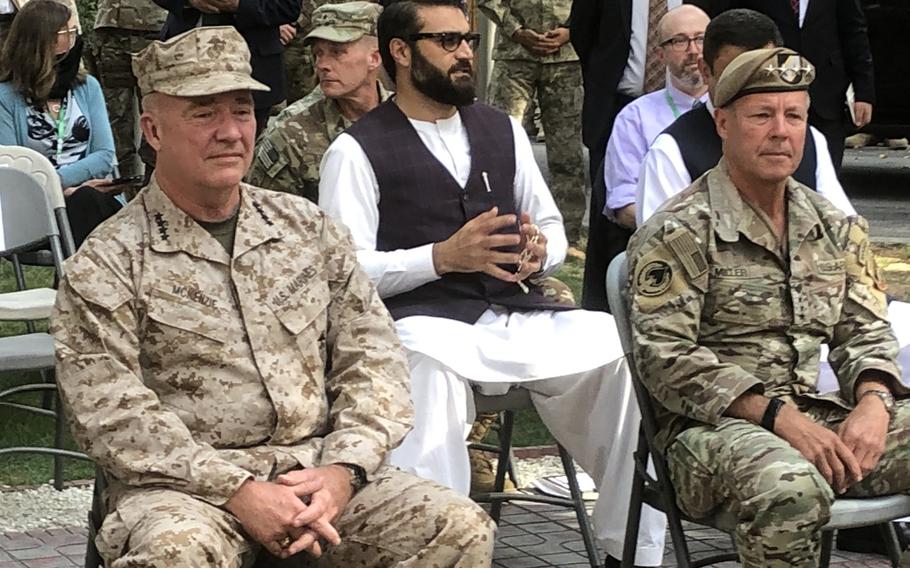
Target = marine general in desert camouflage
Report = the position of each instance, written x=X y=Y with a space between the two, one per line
x=225 y=361
x=343 y=40
x=735 y=284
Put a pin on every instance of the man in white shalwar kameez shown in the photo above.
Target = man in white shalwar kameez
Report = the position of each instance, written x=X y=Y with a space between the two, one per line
x=450 y=236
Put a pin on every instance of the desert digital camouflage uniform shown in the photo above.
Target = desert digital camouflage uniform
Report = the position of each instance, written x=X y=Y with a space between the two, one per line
x=289 y=152
x=123 y=27
x=719 y=307
x=186 y=370
x=519 y=76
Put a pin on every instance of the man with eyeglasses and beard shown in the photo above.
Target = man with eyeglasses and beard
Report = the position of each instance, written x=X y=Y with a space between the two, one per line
x=454 y=223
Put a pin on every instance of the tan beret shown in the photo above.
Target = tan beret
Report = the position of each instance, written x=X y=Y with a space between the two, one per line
x=773 y=70
x=343 y=23
x=202 y=61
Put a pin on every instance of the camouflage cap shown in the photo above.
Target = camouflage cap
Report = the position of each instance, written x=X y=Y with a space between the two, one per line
x=342 y=23
x=202 y=61
x=773 y=70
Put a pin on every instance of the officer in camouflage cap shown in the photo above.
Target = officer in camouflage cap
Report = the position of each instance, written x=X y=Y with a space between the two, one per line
x=225 y=361
x=124 y=27
x=289 y=152
x=735 y=284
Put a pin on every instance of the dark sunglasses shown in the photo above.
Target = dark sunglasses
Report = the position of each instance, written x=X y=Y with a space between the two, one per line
x=449 y=41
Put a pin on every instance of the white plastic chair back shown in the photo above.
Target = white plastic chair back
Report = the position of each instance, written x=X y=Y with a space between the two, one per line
x=41 y=169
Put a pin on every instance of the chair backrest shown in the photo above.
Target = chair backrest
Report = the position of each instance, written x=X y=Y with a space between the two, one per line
x=42 y=170
x=26 y=220
x=660 y=488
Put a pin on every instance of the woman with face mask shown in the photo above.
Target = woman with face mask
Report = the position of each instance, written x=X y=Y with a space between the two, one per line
x=48 y=104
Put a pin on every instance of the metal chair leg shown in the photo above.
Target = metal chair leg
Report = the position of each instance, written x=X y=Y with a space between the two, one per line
x=584 y=524
x=505 y=461
x=892 y=544
x=827 y=546
x=633 y=521
x=59 y=434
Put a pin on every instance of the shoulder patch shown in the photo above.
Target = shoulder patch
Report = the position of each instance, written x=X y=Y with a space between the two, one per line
x=654 y=278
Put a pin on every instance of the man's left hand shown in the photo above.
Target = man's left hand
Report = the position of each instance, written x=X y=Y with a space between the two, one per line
x=325 y=506
x=864 y=432
x=862 y=113
x=224 y=6
x=559 y=36
x=287 y=32
x=537 y=251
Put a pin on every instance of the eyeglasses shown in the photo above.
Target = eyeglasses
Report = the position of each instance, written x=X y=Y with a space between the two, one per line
x=681 y=43
x=70 y=34
x=449 y=41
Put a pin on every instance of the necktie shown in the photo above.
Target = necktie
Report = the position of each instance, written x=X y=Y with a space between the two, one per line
x=795 y=5
x=655 y=75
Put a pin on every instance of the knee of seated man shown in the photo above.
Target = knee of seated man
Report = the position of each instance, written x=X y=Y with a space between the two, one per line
x=788 y=489
x=170 y=533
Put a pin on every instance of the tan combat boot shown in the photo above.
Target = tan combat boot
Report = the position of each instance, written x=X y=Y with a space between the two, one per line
x=483 y=474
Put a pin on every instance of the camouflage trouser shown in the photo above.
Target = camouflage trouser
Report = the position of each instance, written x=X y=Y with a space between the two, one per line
x=559 y=94
x=121 y=93
x=779 y=498
x=396 y=520
x=298 y=68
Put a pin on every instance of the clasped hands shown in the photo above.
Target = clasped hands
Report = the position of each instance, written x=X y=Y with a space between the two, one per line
x=476 y=247
x=541 y=44
x=845 y=456
x=297 y=512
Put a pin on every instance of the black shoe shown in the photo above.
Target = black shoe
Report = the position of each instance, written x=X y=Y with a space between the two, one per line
x=866 y=540
x=611 y=562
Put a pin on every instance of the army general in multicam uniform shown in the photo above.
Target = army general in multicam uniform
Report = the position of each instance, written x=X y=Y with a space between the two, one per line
x=225 y=361
x=289 y=152
x=533 y=56
x=735 y=284
x=124 y=27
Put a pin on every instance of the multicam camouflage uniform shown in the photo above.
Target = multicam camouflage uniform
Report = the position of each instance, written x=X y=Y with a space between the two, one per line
x=123 y=27
x=719 y=307
x=556 y=80
x=185 y=370
x=289 y=152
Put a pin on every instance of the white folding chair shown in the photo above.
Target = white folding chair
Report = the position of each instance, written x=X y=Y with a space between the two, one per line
x=26 y=220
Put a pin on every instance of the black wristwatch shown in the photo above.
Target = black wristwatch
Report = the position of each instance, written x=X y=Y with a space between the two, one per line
x=770 y=415
x=358 y=476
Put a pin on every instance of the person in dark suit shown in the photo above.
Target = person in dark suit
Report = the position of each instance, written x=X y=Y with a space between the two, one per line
x=832 y=35
x=603 y=32
x=258 y=22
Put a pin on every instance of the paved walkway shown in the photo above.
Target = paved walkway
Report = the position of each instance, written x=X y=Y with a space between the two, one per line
x=530 y=536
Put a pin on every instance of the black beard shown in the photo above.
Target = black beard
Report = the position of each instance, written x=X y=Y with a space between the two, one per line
x=439 y=86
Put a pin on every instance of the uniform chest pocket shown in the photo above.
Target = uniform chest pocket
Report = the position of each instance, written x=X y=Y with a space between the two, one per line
x=749 y=302
x=823 y=295
x=303 y=314
x=187 y=315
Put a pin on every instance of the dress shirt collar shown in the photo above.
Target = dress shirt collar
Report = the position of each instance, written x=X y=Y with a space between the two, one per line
x=683 y=100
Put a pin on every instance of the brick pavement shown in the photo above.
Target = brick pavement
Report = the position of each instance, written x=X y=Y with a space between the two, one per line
x=531 y=535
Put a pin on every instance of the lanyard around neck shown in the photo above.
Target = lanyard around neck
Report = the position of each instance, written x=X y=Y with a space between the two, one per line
x=61 y=128
x=671 y=103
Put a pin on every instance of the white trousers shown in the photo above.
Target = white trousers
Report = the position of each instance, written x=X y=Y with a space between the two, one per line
x=593 y=414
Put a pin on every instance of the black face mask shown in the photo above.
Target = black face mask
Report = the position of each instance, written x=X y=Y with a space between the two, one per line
x=67 y=67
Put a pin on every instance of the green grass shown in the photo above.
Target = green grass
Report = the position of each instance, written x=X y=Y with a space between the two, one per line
x=21 y=428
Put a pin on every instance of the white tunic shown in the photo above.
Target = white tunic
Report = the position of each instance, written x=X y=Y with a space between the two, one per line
x=495 y=349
